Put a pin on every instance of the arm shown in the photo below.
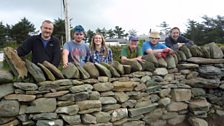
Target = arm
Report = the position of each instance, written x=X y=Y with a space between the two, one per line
x=185 y=40
x=25 y=48
x=110 y=56
x=168 y=42
x=65 y=53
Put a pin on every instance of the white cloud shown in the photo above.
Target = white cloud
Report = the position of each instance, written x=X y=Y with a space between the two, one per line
x=140 y=15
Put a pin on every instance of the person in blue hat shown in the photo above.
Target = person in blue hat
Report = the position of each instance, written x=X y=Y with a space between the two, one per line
x=76 y=51
x=132 y=51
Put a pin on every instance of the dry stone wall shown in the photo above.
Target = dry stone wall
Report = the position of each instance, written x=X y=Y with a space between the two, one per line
x=110 y=95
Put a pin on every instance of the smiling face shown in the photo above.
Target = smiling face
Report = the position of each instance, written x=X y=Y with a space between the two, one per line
x=175 y=33
x=133 y=44
x=154 y=41
x=78 y=36
x=46 y=30
x=97 y=40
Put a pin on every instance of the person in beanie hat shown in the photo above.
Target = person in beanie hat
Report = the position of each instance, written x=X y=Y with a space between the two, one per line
x=132 y=51
x=76 y=51
x=153 y=46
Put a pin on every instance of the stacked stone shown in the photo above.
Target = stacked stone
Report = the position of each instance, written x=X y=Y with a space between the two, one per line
x=112 y=94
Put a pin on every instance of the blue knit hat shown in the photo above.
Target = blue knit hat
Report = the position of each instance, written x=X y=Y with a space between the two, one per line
x=78 y=28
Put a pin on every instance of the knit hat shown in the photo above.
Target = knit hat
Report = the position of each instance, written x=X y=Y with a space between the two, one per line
x=78 y=28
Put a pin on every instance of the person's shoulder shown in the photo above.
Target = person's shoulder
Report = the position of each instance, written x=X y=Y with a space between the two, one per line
x=146 y=42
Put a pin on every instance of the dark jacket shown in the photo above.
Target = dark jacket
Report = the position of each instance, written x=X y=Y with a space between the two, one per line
x=50 y=53
x=173 y=44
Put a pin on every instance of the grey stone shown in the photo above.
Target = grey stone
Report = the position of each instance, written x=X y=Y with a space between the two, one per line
x=103 y=79
x=88 y=119
x=43 y=116
x=113 y=71
x=5 y=77
x=69 y=110
x=170 y=62
x=177 y=106
x=206 y=51
x=135 y=65
x=127 y=69
x=91 y=69
x=165 y=101
x=139 y=111
x=26 y=86
x=199 y=105
x=119 y=114
x=197 y=92
x=103 y=87
x=121 y=97
x=57 y=73
x=42 y=105
x=57 y=122
x=35 y=71
x=216 y=52
x=83 y=73
x=186 y=51
x=55 y=94
x=119 y=67
x=102 y=117
x=4 y=120
x=110 y=107
x=47 y=72
x=81 y=96
x=6 y=89
x=103 y=70
x=123 y=86
x=21 y=97
x=177 y=120
x=72 y=120
x=134 y=123
x=161 y=71
x=162 y=62
x=200 y=60
x=197 y=121
x=210 y=72
x=203 y=83
x=14 y=122
x=91 y=105
x=94 y=95
x=151 y=58
x=181 y=94
x=81 y=88
x=16 y=64
x=108 y=100
x=71 y=71
x=9 y=108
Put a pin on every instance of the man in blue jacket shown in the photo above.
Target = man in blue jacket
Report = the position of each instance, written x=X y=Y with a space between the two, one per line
x=175 y=40
x=43 y=46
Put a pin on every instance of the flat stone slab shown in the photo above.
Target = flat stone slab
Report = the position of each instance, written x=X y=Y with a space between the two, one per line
x=200 y=60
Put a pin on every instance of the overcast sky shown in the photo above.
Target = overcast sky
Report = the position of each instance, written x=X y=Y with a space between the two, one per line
x=140 y=15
